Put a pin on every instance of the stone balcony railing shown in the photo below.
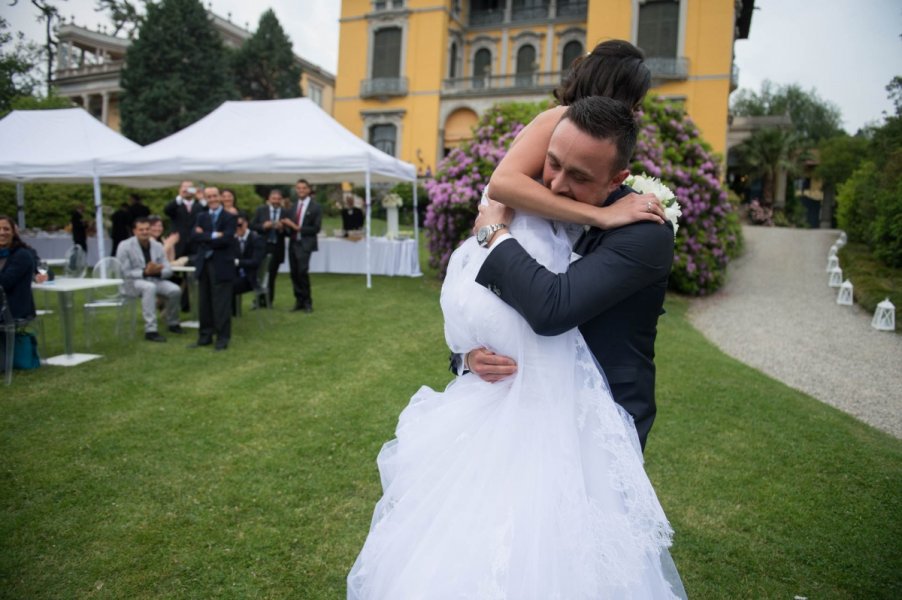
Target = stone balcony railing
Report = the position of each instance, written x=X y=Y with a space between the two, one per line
x=675 y=68
x=562 y=9
x=85 y=70
x=502 y=84
x=383 y=87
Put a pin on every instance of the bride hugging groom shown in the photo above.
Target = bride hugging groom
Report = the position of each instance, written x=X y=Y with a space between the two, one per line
x=524 y=477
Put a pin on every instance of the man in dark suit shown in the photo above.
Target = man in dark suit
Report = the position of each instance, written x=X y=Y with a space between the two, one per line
x=214 y=238
x=121 y=226
x=182 y=212
x=268 y=224
x=615 y=292
x=303 y=223
x=251 y=251
x=352 y=217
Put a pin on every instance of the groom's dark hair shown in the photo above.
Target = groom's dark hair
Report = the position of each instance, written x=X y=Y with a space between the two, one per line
x=606 y=119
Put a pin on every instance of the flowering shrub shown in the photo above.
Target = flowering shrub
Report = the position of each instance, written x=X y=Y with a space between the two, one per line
x=760 y=215
x=461 y=177
x=669 y=148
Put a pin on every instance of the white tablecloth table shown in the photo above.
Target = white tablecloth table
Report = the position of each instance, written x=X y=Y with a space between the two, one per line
x=388 y=257
x=66 y=288
x=189 y=272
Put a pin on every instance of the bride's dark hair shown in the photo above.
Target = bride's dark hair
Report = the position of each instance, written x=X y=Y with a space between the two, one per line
x=615 y=69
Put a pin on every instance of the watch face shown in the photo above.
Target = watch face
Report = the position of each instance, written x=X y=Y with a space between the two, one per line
x=482 y=234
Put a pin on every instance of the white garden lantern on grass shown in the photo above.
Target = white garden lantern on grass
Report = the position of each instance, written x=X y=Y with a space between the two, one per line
x=844 y=297
x=832 y=263
x=833 y=250
x=884 y=317
x=843 y=239
x=835 y=277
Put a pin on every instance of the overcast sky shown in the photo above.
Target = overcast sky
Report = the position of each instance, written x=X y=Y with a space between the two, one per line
x=848 y=50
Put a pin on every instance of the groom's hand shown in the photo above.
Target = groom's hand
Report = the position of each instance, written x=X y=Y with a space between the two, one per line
x=492 y=214
x=489 y=366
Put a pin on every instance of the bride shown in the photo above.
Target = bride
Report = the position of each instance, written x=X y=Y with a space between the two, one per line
x=531 y=487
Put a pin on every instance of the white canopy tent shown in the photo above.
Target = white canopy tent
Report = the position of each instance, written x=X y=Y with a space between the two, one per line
x=266 y=141
x=56 y=146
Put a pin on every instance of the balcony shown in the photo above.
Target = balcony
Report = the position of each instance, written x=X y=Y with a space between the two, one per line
x=668 y=68
x=572 y=9
x=383 y=87
x=486 y=17
x=529 y=13
x=523 y=83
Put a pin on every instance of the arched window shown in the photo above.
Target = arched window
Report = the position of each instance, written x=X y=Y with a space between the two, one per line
x=526 y=65
x=572 y=51
x=482 y=67
x=452 y=68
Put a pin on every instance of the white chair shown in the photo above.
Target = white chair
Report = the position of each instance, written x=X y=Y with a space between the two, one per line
x=76 y=262
x=110 y=268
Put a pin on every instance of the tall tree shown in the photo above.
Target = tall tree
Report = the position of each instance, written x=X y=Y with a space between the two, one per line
x=813 y=118
x=176 y=72
x=770 y=153
x=124 y=15
x=16 y=68
x=264 y=66
x=50 y=14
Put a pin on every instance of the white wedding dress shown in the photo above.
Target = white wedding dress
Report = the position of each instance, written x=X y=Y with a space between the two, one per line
x=530 y=488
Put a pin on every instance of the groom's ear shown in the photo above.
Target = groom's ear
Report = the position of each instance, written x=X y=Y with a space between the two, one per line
x=618 y=179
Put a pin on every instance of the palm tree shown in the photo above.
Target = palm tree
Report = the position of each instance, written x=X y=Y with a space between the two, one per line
x=770 y=154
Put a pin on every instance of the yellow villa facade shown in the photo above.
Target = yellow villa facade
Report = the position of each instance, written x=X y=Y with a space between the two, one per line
x=414 y=75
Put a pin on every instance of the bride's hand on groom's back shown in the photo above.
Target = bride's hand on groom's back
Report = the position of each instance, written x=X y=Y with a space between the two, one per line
x=489 y=366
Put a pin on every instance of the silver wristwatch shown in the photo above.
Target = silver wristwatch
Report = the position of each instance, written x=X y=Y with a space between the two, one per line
x=484 y=235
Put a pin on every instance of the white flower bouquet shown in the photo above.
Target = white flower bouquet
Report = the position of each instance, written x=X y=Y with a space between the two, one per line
x=392 y=201
x=644 y=184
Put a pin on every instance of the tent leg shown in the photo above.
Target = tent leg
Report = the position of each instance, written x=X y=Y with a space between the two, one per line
x=98 y=216
x=20 y=204
x=369 y=274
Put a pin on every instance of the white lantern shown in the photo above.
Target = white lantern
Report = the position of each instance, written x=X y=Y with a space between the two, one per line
x=833 y=250
x=884 y=317
x=843 y=238
x=835 y=277
x=845 y=294
x=832 y=263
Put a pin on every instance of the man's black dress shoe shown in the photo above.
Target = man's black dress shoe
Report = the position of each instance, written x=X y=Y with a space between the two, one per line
x=153 y=336
x=176 y=329
x=201 y=342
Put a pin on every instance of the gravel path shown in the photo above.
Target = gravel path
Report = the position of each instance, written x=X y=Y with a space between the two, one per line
x=777 y=314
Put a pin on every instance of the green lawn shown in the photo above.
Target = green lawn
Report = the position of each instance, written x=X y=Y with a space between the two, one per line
x=164 y=472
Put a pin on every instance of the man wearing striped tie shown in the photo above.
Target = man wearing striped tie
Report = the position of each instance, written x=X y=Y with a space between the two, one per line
x=303 y=224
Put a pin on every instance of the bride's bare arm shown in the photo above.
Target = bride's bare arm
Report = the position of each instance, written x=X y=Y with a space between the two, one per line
x=514 y=184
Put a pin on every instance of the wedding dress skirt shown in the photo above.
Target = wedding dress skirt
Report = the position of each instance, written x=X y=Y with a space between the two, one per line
x=530 y=488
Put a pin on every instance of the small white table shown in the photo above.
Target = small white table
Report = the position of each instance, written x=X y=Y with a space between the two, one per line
x=66 y=288
x=189 y=272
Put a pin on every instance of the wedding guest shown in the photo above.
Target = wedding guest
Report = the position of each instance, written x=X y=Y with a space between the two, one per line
x=17 y=268
x=121 y=226
x=268 y=223
x=229 y=201
x=146 y=271
x=303 y=222
x=214 y=236
x=251 y=251
x=137 y=208
x=79 y=227
x=352 y=217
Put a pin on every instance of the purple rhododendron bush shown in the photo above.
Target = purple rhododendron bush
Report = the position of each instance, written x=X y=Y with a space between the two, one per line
x=669 y=148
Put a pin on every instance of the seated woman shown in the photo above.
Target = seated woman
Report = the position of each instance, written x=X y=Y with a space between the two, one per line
x=17 y=268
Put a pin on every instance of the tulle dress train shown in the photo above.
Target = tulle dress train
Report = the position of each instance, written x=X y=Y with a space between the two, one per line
x=530 y=488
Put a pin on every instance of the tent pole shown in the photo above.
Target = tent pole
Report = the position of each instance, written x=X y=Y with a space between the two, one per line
x=98 y=216
x=20 y=204
x=416 y=222
x=369 y=274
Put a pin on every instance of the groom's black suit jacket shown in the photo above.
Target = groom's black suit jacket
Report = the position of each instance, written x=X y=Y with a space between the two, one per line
x=614 y=294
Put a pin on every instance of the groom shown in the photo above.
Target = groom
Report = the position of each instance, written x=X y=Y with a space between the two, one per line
x=614 y=293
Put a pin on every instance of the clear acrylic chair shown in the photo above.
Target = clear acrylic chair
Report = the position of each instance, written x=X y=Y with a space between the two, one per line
x=76 y=262
x=110 y=268
x=8 y=327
